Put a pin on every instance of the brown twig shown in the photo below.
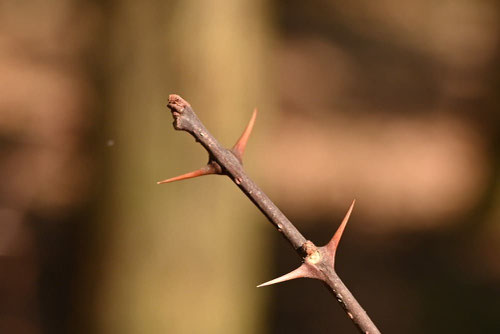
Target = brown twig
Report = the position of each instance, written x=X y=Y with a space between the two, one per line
x=318 y=262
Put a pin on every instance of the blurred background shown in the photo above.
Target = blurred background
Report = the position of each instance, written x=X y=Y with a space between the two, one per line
x=394 y=103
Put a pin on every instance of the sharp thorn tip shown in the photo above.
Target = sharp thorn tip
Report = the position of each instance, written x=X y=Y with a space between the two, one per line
x=301 y=272
x=239 y=147
x=334 y=242
x=205 y=170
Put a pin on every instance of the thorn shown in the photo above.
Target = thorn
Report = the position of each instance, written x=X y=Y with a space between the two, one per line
x=239 y=147
x=334 y=242
x=205 y=170
x=301 y=272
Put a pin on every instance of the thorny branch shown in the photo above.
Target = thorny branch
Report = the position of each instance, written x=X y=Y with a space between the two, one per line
x=318 y=262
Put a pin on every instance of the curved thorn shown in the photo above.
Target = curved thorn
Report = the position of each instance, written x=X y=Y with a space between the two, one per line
x=301 y=272
x=205 y=170
x=239 y=147
x=334 y=242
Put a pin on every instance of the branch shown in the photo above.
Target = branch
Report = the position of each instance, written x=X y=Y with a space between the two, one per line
x=318 y=262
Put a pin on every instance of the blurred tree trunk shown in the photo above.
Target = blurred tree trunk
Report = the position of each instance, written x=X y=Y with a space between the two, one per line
x=180 y=258
x=47 y=103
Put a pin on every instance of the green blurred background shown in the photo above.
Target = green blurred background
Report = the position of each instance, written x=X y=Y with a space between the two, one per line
x=394 y=103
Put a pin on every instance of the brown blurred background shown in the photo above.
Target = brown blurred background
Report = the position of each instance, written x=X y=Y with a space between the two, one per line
x=394 y=103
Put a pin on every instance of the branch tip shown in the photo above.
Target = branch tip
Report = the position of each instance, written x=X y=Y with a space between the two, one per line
x=239 y=147
x=175 y=100
x=334 y=242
